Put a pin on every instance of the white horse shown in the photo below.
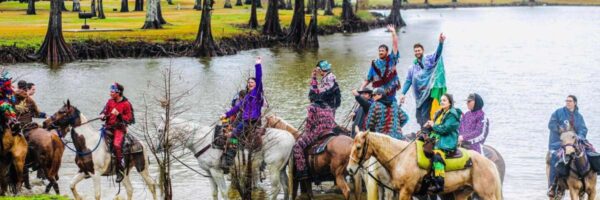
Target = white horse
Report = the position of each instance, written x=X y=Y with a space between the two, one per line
x=275 y=152
x=94 y=158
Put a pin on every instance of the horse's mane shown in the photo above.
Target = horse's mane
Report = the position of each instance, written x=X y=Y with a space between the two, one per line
x=387 y=145
x=278 y=123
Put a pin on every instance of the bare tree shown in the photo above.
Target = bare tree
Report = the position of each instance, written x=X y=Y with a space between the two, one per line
x=395 y=18
x=76 y=6
x=159 y=125
x=170 y=2
x=197 y=4
x=124 y=6
x=253 y=23
x=93 y=8
x=139 y=5
x=328 y=7
x=227 y=4
x=310 y=38
x=101 y=10
x=31 y=7
x=272 y=26
x=55 y=51
x=205 y=44
x=298 y=24
x=288 y=5
x=152 y=21
x=238 y=3
x=159 y=14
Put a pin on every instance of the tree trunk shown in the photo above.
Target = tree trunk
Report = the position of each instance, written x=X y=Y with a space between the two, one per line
x=298 y=25
x=159 y=14
x=288 y=5
x=101 y=10
x=63 y=7
x=332 y=2
x=228 y=4
x=55 y=51
x=198 y=4
x=395 y=18
x=152 y=21
x=238 y=3
x=328 y=8
x=253 y=23
x=205 y=43
x=31 y=7
x=426 y=2
x=170 y=2
x=248 y=2
x=320 y=4
x=280 y=4
x=124 y=6
x=310 y=38
x=309 y=7
x=347 y=14
x=272 y=26
x=139 y=5
x=259 y=3
x=94 y=8
x=76 y=6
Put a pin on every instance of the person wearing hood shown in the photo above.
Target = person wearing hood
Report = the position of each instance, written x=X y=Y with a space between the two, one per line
x=327 y=90
x=378 y=119
x=444 y=129
x=474 y=127
x=561 y=118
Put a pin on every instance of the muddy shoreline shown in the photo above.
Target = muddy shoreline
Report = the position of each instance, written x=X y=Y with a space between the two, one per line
x=105 y=49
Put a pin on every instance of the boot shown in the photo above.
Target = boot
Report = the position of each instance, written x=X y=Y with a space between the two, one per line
x=120 y=170
x=301 y=174
x=437 y=185
x=227 y=159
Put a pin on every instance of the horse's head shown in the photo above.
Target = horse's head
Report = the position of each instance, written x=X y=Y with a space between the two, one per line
x=66 y=116
x=568 y=139
x=360 y=152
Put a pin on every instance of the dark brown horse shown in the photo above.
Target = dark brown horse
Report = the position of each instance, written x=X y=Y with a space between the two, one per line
x=45 y=152
x=331 y=163
x=13 y=151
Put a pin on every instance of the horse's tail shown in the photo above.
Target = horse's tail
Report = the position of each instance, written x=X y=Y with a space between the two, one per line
x=13 y=178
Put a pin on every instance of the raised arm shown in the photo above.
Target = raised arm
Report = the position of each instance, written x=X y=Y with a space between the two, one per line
x=438 y=51
x=392 y=30
x=258 y=75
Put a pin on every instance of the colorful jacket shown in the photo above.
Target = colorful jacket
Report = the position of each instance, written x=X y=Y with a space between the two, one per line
x=26 y=108
x=474 y=128
x=383 y=74
x=559 y=119
x=253 y=101
x=445 y=130
x=7 y=109
x=320 y=120
x=420 y=74
x=384 y=117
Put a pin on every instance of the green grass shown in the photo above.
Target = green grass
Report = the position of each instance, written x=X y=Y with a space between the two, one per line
x=36 y=197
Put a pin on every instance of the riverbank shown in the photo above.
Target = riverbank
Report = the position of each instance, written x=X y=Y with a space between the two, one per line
x=385 y=4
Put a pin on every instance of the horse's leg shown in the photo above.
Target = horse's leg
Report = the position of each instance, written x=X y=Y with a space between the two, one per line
x=19 y=164
x=295 y=185
x=26 y=178
x=74 y=183
x=283 y=179
x=128 y=187
x=274 y=173
x=463 y=194
x=357 y=186
x=404 y=194
x=217 y=175
x=3 y=183
x=97 y=190
x=149 y=182
x=215 y=188
x=340 y=181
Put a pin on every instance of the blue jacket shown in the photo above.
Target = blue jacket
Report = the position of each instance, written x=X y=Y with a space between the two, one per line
x=559 y=119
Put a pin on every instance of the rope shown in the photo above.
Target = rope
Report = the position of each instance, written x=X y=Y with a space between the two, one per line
x=75 y=150
x=197 y=172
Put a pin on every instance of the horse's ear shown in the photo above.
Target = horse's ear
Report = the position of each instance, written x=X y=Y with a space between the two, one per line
x=68 y=103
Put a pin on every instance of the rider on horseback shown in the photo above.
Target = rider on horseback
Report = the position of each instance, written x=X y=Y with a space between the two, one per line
x=26 y=108
x=364 y=98
x=327 y=91
x=444 y=129
x=473 y=125
x=566 y=115
x=250 y=107
x=385 y=116
x=118 y=114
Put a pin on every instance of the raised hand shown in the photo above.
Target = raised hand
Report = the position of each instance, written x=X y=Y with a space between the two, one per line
x=391 y=28
x=442 y=37
x=258 y=60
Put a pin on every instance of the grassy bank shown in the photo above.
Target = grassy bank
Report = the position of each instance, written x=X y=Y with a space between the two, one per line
x=29 y=30
x=411 y=3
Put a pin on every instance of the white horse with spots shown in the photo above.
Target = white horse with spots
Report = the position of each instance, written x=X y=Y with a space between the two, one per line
x=275 y=152
x=93 y=156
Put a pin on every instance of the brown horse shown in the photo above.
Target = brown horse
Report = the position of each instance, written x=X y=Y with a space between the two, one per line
x=399 y=158
x=332 y=162
x=46 y=150
x=581 y=179
x=12 y=159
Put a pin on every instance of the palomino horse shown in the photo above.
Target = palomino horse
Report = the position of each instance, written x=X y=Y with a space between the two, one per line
x=13 y=151
x=93 y=156
x=399 y=158
x=581 y=179
x=46 y=152
x=275 y=152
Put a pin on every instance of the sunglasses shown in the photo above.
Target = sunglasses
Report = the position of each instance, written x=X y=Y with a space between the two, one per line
x=568 y=101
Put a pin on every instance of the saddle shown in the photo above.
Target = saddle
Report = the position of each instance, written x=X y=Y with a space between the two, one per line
x=131 y=145
x=457 y=160
x=320 y=145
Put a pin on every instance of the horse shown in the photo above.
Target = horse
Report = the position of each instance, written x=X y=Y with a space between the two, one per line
x=93 y=155
x=399 y=159
x=581 y=179
x=332 y=161
x=13 y=151
x=46 y=150
x=275 y=152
